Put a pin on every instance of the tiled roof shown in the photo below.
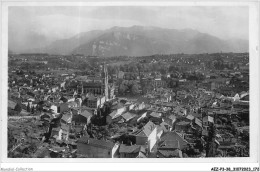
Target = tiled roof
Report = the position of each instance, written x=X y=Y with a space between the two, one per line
x=172 y=117
x=141 y=155
x=155 y=114
x=127 y=116
x=198 y=122
x=67 y=117
x=168 y=121
x=148 y=128
x=129 y=149
x=190 y=117
x=114 y=113
x=96 y=143
x=86 y=113
x=170 y=153
x=183 y=123
x=166 y=124
x=172 y=136
x=140 y=133
x=173 y=144
x=208 y=119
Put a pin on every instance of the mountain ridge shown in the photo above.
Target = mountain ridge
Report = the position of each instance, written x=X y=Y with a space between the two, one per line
x=140 y=41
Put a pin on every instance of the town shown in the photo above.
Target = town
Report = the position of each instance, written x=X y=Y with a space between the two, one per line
x=158 y=106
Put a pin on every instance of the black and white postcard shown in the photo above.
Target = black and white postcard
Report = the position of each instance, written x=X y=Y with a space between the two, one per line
x=130 y=82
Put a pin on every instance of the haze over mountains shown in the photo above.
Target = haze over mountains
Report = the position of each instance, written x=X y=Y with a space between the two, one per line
x=139 y=41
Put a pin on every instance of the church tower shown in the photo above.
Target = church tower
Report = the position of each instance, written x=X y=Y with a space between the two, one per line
x=105 y=80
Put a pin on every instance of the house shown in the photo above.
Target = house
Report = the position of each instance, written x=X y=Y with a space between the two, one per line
x=170 y=120
x=95 y=101
x=87 y=114
x=94 y=148
x=54 y=108
x=79 y=120
x=55 y=132
x=169 y=154
x=169 y=149
x=72 y=104
x=180 y=111
x=182 y=126
x=81 y=115
x=64 y=132
x=142 y=135
x=141 y=117
x=115 y=114
x=169 y=144
x=174 y=136
x=207 y=120
x=190 y=117
x=128 y=116
x=197 y=124
x=130 y=151
x=79 y=102
x=155 y=117
x=66 y=117
x=166 y=125
x=63 y=107
x=111 y=116
x=133 y=121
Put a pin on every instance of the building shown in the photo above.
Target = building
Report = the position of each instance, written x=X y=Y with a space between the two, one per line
x=141 y=136
x=155 y=83
x=172 y=137
x=217 y=83
x=94 y=148
x=94 y=102
x=98 y=86
x=169 y=149
x=113 y=116
x=130 y=151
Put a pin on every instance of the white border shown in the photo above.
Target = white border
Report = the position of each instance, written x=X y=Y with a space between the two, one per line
x=254 y=90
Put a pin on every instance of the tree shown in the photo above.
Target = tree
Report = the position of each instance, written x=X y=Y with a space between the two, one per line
x=211 y=146
x=123 y=87
x=173 y=69
x=18 y=108
x=153 y=74
x=33 y=109
x=134 y=89
x=163 y=71
x=28 y=107
x=128 y=85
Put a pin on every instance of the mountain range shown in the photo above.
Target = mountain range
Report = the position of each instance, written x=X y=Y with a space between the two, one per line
x=141 y=41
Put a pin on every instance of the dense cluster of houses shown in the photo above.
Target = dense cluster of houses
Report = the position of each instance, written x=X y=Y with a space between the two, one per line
x=195 y=120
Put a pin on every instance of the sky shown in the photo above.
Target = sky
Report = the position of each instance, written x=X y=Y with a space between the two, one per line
x=36 y=26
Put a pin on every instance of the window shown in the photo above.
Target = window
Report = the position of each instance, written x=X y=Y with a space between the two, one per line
x=108 y=152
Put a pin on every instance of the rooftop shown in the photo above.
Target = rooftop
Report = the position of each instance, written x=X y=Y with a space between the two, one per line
x=95 y=142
